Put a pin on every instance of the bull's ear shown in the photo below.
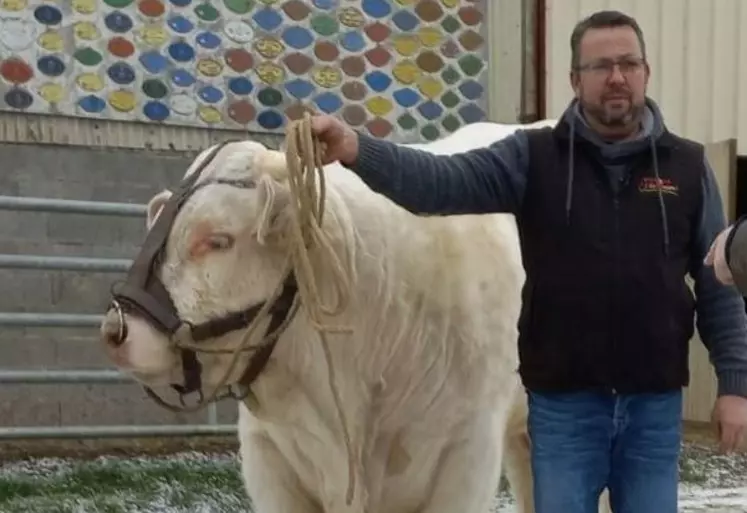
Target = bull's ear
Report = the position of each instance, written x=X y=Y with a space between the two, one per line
x=273 y=200
x=155 y=205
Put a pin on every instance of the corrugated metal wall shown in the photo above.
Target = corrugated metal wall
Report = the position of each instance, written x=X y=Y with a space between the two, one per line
x=698 y=57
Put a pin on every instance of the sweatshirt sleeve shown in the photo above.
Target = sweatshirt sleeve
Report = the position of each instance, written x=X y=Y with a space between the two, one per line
x=721 y=317
x=484 y=180
x=736 y=254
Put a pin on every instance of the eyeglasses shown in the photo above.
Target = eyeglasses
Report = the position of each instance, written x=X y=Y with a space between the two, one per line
x=605 y=67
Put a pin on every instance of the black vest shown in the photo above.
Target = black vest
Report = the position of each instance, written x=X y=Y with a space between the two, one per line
x=605 y=306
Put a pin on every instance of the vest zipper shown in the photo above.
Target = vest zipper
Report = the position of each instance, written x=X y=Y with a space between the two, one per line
x=616 y=296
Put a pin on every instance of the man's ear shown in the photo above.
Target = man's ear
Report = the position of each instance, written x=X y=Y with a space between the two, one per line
x=273 y=200
x=155 y=205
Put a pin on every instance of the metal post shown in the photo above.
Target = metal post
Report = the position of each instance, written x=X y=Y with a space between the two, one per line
x=58 y=377
x=77 y=432
x=49 y=320
x=55 y=263
x=63 y=206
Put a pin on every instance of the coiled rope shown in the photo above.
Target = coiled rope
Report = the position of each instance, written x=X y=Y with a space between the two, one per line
x=303 y=155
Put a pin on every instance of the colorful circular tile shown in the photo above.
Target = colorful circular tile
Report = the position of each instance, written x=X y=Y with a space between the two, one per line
x=155 y=88
x=16 y=71
x=207 y=12
x=47 y=15
x=151 y=8
x=298 y=63
x=242 y=112
x=354 y=115
x=379 y=127
x=180 y=24
x=328 y=102
x=210 y=94
x=239 y=60
x=240 y=85
x=184 y=104
x=51 y=65
x=297 y=37
x=378 y=81
x=429 y=10
x=209 y=115
x=270 y=119
x=325 y=24
x=269 y=47
x=267 y=19
x=300 y=88
x=270 y=97
x=52 y=92
x=351 y=17
x=182 y=78
x=376 y=8
x=121 y=73
x=239 y=31
x=239 y=7
x=209 y=67
x=89 y=82
x=326 y=51
x=181 y=52
x=84 y=6
x=156 y=111
x=120 y=47
x=118 y=22
x=208 y=40
x=296 y=10
x=92 y=104
x=327 y=76
x=123 y=101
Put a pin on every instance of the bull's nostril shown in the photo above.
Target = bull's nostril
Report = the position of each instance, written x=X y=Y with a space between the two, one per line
x=114 y=329
x=117 y=336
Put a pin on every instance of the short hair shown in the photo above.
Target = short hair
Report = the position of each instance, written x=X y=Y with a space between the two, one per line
x=602 y=19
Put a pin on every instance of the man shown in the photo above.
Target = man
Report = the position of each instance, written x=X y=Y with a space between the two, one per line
x=613 y=212
x=728 y=256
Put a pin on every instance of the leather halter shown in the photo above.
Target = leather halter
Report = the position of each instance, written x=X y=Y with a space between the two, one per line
x=143 y=294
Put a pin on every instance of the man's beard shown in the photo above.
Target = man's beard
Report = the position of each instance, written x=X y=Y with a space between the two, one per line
x=614 y=118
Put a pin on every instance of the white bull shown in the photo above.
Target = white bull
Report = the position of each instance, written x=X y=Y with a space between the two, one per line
x=428 y=376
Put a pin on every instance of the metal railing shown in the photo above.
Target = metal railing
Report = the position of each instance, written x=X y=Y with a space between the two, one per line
x=63 y=320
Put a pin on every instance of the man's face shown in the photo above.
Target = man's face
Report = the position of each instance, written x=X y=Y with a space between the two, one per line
x=611 y=80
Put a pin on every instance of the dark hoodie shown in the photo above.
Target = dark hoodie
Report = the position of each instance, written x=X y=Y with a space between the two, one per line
x=493 y=179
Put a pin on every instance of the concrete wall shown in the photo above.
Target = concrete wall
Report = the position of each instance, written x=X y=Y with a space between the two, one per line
x=74 y=172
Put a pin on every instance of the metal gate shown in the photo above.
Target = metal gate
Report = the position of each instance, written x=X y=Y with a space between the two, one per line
x=60 y=320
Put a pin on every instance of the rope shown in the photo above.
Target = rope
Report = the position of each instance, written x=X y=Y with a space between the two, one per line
x=303 y=156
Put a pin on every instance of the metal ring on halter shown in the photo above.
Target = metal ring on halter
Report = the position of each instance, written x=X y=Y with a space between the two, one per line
x=120 y=317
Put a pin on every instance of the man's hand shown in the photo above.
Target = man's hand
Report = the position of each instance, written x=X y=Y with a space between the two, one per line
x=340 y=140
x=717 y=258
x=730 y=416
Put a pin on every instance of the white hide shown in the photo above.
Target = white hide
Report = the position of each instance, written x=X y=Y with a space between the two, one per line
x=428 y=378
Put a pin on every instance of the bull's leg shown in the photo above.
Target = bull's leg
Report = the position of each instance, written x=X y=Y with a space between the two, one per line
x=269 y=480
x=469 y=470
x=517 y=466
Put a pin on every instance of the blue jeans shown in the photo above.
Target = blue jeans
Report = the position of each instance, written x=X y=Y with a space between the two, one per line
x=585 y=442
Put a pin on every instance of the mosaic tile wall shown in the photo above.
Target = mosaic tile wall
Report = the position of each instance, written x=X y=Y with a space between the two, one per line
x=399 y=69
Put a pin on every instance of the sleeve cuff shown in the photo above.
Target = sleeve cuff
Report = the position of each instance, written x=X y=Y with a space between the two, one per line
x=370 y=152
x=732 y=383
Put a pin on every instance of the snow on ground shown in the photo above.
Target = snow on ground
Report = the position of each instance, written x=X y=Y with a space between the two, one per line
x=210 y=483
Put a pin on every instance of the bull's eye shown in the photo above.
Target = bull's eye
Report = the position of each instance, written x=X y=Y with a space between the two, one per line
x=220 y=242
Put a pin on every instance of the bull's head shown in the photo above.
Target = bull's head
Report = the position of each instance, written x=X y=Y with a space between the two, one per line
x=210 y=262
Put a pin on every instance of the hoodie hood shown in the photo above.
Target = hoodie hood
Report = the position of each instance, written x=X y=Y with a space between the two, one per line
x=616 y=156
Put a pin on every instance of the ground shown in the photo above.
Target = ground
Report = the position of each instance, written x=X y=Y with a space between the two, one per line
x=209 y=482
